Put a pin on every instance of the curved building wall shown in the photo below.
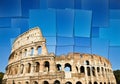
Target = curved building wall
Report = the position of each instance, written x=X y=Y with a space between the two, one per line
x=30 y=63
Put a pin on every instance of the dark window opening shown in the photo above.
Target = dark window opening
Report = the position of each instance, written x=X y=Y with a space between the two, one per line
x=98 y=69
x=45 y=82
x=57 y=82
x=47 y=66
x=68 y=83
x=95 y=83
x=58 y=67
x=82 y=70
x=88 y=71
x=37 y=65
x=35 y=82
x=78 y=82
x=29 y=67
x=87 y=62
x=68 y=67
x=90 y=82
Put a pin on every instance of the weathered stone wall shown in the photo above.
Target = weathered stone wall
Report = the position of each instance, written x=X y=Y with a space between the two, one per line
x=30 y=63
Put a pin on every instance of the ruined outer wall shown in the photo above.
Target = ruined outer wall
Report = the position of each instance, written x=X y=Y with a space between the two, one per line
x=30 y=63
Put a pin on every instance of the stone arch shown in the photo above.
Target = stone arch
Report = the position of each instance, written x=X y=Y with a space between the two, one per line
x=26 y=82
x=95 y=82
x=90 y=82
x=78 y=82
x=45 y=82
x=47 y=66
x=25 y=52
x=82 y=69
x=57 y=82
x=98 y=69
x=32 y=51
x=59 y=67
x=13 y=82
x=22 y=68
x=35 y=82
x=29 y=68
x=37 y=66
x=39 y=50
x=88 y=71
x=67 y=67
x=68 y=82
x=87 y=62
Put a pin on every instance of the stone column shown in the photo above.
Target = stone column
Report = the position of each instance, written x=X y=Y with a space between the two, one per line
x=62 y=67
x=35 y=51
x=85 y=68
x=19 y=69
x=52 y=66
x=28 y=51
x=73 y=68
x=32 y=68
x=41 y=67
x=44 y=49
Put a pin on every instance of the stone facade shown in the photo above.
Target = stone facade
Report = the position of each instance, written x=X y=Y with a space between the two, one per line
x=30 y=63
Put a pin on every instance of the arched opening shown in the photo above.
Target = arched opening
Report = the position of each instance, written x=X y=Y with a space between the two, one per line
x=58 y=67
x=95 y=83
x=90 y=82
x=68 y=82
x=100 y=82
x=35 y=82
x=22 y=69
x=39 y=50
x=78 y=82
x=32 y=51
x=88 y=71
x=47 y=66
x=45 y=82
x=27 y=82
x=93 y=71
x=29 y=68
x=108 y=82
x=67 y=67
x=25 y=52
x=13 y=82
x=87 y=62
x=98 y=69
x=57 y=82
x=37 y=66
x=82 y=70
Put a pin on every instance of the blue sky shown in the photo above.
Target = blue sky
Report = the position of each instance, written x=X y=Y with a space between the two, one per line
x=85 y=26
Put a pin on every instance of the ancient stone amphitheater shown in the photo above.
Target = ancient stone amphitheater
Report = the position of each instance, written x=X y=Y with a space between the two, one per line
x=30 y=63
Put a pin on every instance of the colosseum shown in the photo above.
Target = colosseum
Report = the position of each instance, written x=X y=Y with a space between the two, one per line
x=30 y=63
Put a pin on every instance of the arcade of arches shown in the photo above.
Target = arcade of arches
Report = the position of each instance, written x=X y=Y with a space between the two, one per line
x=30 y=63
